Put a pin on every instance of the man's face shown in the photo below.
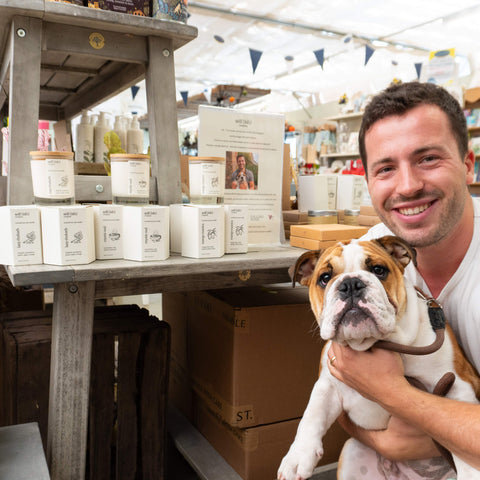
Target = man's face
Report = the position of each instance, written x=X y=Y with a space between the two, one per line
x=241 y=163
x=416 y=177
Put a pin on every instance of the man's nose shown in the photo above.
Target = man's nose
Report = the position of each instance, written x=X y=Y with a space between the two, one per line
x=409 y=181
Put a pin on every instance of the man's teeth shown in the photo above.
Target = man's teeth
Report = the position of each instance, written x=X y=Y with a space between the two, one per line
x=414 y=211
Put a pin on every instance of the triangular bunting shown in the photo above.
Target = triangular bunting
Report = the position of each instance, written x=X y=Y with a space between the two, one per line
x=320 y=54
x=418 y=68
x=368 y=53
x=134 y=89
x=184 y=95
x=255 y=58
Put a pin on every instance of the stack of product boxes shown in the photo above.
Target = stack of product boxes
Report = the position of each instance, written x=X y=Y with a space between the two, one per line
x=243 y=364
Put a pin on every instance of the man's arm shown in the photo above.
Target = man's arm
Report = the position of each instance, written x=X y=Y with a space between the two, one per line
x=379 y=376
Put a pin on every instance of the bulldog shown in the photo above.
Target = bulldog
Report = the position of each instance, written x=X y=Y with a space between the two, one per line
x=361 y=298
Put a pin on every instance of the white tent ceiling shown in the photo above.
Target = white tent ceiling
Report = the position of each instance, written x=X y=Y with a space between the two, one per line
x=402 y=32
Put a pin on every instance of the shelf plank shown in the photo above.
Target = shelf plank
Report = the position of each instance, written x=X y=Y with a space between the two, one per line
x=203 y=458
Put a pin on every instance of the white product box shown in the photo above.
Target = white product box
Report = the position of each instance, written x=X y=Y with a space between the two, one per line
x=108 y=231
x=21 y=237
x=176 y=227
x=203 y=231
x=317 y=192
x=236 y=228
x=68 y=234
x=146 y=233
x=350 y=192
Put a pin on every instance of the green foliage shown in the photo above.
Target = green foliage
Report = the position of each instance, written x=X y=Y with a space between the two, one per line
x=114 y=145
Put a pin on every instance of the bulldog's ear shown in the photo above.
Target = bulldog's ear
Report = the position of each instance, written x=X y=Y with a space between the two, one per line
x=398 y=249
x=302 y=271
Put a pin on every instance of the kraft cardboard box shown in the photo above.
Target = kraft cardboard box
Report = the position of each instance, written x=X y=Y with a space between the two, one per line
x=255 y=453
x=328 y=231
x=253 y=353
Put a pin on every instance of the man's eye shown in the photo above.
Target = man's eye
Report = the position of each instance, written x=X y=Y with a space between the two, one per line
x=324 y=278
x=380 y=271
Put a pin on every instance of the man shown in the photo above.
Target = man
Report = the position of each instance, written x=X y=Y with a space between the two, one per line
x=242 y=178
x=414 y=147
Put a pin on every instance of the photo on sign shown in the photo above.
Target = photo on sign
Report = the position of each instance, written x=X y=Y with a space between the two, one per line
x=241 y=170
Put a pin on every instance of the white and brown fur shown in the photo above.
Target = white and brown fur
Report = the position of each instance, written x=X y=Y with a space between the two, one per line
x=388 y=308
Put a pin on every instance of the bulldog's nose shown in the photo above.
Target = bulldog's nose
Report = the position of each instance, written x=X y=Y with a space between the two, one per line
x=351 y=287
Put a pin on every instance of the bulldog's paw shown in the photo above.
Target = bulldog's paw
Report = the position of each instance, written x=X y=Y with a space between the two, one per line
x=299 y=462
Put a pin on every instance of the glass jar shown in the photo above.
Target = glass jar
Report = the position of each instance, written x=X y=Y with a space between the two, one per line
x=350 y=217
x=53 y=178
x=206 y=180
x=130 y=178
x=322 y=216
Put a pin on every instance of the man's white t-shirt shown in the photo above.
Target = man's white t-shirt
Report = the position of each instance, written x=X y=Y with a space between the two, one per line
x=460 y=297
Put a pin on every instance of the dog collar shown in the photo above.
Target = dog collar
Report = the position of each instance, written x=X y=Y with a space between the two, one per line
x=437 y=320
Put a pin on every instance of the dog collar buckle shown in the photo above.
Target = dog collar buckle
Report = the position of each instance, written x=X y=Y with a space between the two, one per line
x=435 y=314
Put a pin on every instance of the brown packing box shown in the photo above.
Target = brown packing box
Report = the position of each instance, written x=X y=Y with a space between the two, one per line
x=332 y=231
x=310 y=244
x=253 y=352
x=295 y=216
x=255 y=453
x=367 y=210
x=368 y=220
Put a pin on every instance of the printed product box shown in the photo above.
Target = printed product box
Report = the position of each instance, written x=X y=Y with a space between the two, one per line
x=74 y=2
x=176 y=227
x=350 y=192
x=253 y=353
x=108 y=231
x=203 y=231
x=255 y=453
x=68 y=236
x=317 y=192
x=135 y=7
x=146 y=233
x=21 y=237
x=236 y=229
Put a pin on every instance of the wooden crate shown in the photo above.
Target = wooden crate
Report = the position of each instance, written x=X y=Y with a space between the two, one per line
x=128 y=389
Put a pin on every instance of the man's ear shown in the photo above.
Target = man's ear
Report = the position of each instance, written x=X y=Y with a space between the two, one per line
x=399 y=249
x=302 y=271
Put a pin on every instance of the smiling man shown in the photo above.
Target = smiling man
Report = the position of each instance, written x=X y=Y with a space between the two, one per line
x=414 y=147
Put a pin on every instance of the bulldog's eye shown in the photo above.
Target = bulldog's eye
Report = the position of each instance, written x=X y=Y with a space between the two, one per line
x=380 y=271
x=324 y=278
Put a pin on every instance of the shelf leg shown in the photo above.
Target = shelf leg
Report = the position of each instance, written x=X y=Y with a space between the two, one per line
x=72 y=330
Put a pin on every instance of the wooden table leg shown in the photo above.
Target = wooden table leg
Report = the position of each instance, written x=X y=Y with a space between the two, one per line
x=72 y=330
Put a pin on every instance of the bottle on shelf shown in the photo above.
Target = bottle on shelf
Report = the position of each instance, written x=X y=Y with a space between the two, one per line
x=84 y=149
x=101 y=128
x=134 y=137
x=119 y=129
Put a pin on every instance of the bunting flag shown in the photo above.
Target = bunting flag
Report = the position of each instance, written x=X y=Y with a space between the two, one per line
x=320 y=54
x=418 y=68
x=368 y=53
x=134 y=89
x=184 y=95
x=255 y=58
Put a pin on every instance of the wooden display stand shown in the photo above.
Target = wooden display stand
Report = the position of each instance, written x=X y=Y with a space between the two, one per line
x=128 y=391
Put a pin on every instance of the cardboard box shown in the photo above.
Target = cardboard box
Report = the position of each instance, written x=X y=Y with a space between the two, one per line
x=310 y=244
x=317 y=192
x=68 y=235
x=295 y=216
x=253 y=352
x=108 y=231
x=367 y=210
x=350 y=192
x=21 y=236
x=203 y=231
x=329 y=231
x=146 y=233
x=236 y=229
x=368 y=220
x=136 y=7
x=255 y=453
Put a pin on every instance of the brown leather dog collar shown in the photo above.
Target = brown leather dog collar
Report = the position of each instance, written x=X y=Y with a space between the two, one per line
x=437 y=320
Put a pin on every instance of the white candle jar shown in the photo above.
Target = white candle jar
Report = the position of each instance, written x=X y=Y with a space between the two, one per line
x=206 y=180
x=130 y=178
x=53 y=178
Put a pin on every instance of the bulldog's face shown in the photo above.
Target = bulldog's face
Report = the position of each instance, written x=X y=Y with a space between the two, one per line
x=356 y=288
